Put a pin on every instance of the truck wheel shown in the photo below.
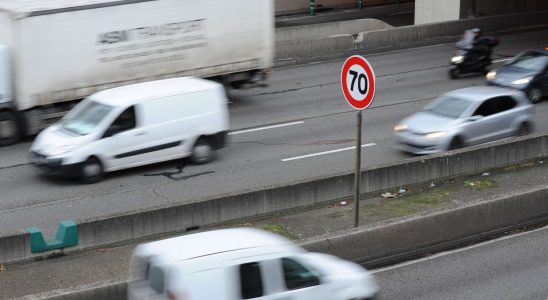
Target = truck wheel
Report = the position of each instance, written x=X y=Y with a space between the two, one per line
x=202 y=152
x=91 y=171
x=10 y=128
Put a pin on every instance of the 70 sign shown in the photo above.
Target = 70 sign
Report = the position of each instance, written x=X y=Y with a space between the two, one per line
x=358 y=82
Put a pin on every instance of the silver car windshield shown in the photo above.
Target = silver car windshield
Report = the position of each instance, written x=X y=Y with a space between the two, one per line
x=448 y=107
x=529 y=61
x=85 y=118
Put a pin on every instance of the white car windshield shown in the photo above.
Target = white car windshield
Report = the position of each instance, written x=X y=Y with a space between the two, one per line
x=83 y=119
x=448 y=106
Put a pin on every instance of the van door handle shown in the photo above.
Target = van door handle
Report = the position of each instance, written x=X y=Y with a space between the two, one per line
x=140 y=133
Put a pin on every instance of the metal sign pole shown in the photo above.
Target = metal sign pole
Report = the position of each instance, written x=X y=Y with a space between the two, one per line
x=357 y=177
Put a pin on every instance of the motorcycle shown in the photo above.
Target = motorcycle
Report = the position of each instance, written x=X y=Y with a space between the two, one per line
x=473 y=54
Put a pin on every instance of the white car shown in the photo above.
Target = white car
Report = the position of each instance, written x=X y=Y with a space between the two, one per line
x=242 y=263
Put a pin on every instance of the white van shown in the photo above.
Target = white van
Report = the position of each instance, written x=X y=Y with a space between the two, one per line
x=135 y=125
x=242 y=263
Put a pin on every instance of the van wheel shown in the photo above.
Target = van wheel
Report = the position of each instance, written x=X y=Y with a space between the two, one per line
x=91 y=171
x=202 y=152
x=10 y=128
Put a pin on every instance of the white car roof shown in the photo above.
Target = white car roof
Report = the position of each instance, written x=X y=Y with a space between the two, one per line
x=136 y=93
x=213 y=242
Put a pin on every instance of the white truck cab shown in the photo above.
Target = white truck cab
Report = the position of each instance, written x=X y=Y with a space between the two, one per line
x=135 y=125
x=242 y=263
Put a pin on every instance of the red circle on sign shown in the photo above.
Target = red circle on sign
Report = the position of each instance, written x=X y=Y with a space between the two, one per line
x=369 y=74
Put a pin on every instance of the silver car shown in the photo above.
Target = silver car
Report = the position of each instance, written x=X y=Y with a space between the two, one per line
x=465 y=117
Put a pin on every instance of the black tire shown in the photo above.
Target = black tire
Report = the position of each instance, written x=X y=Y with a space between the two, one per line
x=91 y=171
x=535 y=94
x=454 y=73
x=455 y=143
x=202 y=152
x=10 y=128
x=524 y=129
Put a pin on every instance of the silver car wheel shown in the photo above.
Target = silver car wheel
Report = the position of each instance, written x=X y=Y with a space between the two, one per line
x=535 y=94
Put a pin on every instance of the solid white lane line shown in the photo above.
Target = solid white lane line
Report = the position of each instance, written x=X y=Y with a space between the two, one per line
x=265 y=127
x=327 y=152
x=444 y=253
x=500 y=60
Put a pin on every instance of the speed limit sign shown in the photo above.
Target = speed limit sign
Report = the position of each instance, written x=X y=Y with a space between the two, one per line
x=358 y=82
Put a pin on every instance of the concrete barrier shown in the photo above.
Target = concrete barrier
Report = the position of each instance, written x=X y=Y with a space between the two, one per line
x=180 y=217
x=402 y=240
x=417 y=236
x=316 y=48
x=310 y=32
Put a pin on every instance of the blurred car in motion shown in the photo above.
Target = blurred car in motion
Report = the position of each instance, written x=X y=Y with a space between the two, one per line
x=463 y=118
x=242 y=263
x=135 y=125
x=527 y=71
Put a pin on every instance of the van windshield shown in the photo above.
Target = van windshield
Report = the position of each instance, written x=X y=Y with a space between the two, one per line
x=85 y=118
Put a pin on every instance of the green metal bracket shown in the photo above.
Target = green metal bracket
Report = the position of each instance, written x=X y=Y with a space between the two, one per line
x=312 y=7
x=65 y=236
x=360 y=4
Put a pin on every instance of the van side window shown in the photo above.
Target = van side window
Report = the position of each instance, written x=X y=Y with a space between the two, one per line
x=297 y=276
x=251 y=280
x=125 y=121
x=156 y=279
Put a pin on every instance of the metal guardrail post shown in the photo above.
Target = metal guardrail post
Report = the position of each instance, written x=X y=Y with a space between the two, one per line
x=312 y=7
x=360 y=4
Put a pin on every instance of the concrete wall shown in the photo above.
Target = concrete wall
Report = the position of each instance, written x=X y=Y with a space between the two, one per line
x=318 y=31
x=131 y=226
x=303 y=50
x=303 y=6
x=431 y=11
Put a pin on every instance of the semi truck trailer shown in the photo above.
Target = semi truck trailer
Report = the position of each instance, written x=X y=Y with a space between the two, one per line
x=54 y=53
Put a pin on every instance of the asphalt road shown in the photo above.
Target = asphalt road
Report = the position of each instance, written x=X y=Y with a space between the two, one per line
x=514 y=267
x=307 y=100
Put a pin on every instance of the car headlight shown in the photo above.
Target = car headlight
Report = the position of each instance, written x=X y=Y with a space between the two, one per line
x=434 y=135
x=400 y=127
x=491 y=75
x=457 y=59
x=522 y=81
x=62 y=150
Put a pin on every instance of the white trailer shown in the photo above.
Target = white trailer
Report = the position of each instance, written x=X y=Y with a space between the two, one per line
x=56 y=52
